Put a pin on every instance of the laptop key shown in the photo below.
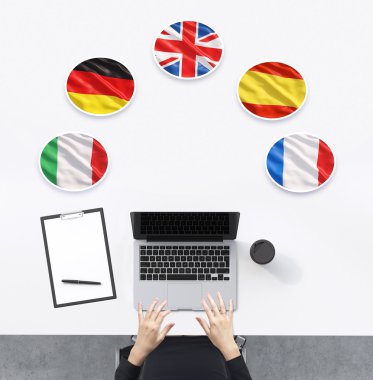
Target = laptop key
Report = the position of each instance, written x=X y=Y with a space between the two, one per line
x=201 y=277
x=213 y=278
x=188 y=277
x=153 y=264
x=162 y=277
x=226 y=278
x=143 y=270
x=175 y=270
x=188 y=270
x=157 y=270
x=149 y=276
x=163 y=270
x=169 y=270
x=142 y=276
x=194 y=270
x=144 y=265
x=155 y=277
x=208 y=277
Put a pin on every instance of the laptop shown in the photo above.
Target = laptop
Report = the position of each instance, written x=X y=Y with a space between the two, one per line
x=183 y=256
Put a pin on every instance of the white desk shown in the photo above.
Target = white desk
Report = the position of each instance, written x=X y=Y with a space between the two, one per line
x=189 y=146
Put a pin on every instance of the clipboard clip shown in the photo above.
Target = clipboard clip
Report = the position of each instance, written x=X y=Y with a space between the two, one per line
x=72 y=215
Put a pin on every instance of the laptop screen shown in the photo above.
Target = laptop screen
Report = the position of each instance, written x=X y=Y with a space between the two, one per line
x=184 y=226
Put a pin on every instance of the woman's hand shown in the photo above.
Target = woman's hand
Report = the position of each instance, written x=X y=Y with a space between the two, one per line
x=149 y=337
x=220 y=327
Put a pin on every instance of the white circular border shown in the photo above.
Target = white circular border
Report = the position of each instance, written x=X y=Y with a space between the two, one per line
x=73 y=190
x=267 y=118
x=194 y=78
x=97 y=114
x=300 y=191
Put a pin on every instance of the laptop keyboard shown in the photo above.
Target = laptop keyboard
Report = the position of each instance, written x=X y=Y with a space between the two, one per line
x=185 y=263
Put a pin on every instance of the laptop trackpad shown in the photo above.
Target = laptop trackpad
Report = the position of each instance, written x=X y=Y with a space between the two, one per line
x=184 y=296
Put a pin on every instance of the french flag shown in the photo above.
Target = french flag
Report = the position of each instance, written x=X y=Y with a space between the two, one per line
x=300 y=162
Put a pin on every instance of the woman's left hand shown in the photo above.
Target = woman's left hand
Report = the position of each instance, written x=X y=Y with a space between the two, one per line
x=149 y=335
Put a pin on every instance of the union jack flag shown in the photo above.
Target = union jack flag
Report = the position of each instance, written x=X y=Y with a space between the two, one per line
x=188 y=49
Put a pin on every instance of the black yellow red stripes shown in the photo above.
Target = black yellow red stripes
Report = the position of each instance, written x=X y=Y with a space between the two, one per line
x=100 y=86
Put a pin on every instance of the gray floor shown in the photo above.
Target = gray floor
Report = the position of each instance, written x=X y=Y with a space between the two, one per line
x=268 y=358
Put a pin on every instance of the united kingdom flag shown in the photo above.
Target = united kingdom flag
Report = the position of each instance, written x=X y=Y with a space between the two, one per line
x=188 y=49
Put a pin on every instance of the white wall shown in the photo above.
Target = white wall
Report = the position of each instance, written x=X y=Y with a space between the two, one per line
x=188 y=145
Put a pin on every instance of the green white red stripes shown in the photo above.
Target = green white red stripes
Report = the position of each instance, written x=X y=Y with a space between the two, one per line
x=74 y=161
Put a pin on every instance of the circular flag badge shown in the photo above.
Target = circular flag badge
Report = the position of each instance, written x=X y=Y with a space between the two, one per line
x=100 y=86
x=272 y=90
x=74 y=161
x=188 y=50
x=300 y=163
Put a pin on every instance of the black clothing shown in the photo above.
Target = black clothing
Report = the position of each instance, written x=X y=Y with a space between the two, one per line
x=185 y=358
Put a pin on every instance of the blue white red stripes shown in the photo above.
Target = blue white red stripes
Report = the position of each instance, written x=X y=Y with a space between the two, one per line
x=300 y=162
x=188 y=49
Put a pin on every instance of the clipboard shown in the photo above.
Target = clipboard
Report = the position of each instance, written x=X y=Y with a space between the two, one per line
x=76 y=247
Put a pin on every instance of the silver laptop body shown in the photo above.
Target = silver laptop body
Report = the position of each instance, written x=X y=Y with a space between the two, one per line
x=182 y=272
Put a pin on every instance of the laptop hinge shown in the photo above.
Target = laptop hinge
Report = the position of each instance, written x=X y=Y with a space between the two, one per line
x=183 y=238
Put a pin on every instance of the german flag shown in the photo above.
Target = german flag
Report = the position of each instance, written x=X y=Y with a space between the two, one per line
x=272 y=90
x=100 y=86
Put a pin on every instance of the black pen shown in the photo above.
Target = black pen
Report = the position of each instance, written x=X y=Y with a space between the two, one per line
x=81 y=282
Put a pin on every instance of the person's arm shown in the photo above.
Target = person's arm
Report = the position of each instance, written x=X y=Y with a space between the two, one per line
x=149 y=337
x=220 y=332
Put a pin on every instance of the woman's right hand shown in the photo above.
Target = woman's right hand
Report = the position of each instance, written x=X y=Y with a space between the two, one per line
x=220 y=326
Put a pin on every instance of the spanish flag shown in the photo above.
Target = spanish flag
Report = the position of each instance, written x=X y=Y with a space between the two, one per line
x=100 y=86
x=272 y=90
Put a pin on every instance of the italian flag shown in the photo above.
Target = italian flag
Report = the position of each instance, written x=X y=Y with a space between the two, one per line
x=74 y=161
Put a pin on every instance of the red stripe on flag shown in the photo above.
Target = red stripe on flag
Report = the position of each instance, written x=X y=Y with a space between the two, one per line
x=277 y=68
x=188 y=67
x=269 y=111
x=83 y=82
x=99 y=161
x=209 y=38
x=325 y=162
x=167 y=61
